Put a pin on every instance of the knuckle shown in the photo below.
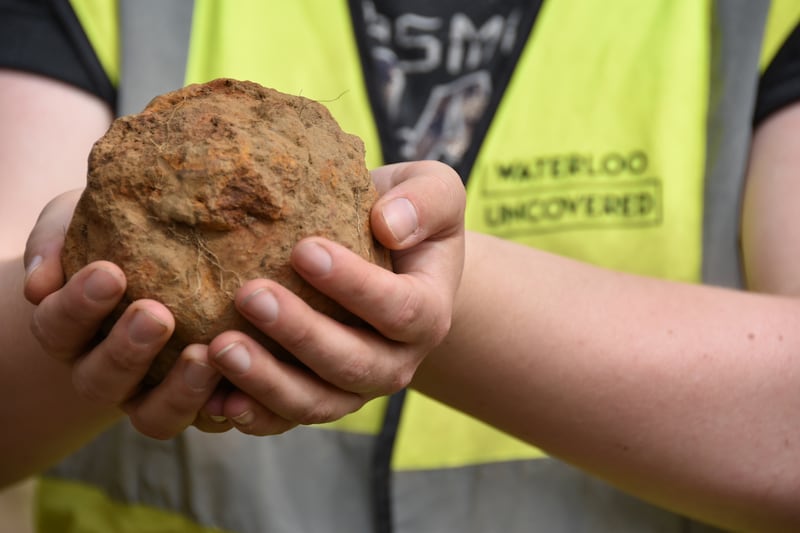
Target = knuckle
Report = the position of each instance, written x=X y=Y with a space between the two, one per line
x=59 y=329
x=449 y=184
x=399 y=380
x=300 y=338
x=355 y=373
x=363 y=285
x=75 y=312
x=269 y=389
x=129 y=361
x=403 y=379
x=439 y=330
x=316 y=413
x=435 y=323
x=407 y=313
x=91 y=390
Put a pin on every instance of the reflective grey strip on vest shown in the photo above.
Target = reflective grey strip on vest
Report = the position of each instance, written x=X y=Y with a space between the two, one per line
x=307 y=480
x=311 y=480
x=154 y=40
x=737 y=36
x=530 y=496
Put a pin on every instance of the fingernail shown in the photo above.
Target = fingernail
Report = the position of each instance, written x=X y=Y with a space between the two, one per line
x=234 y=357
x=401 y=218
x=261 y=305
x=101 y=285
x=34 y=263
x=244 y=419
x=145 y=328
x=217 y=418
x=198 y=376
x=313 y=258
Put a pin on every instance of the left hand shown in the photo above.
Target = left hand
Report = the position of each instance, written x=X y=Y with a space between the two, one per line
x=420 y=217
x=106 y=374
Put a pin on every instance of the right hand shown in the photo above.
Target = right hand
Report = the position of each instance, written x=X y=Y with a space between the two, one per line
x=109 y=372
x=420 y=218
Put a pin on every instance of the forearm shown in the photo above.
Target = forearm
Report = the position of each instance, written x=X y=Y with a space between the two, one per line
x=45 y=136
x=42 y=417
x=647 y=383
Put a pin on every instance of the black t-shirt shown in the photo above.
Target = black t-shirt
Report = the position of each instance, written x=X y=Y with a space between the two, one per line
x=429 y=104
x=780 y=83
x=45 y=37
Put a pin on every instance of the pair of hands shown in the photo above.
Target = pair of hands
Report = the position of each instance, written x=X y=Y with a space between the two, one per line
x=419 y=216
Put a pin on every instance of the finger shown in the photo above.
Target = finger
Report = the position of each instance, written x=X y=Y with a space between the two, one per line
x=65 y=321
x=419 y=200
x=252 y=418
x=206 y=424
x=351 y=359
x=112 y=371
x=174 y=404
x=410 y=307
x=43 y=272
x=290 y=392
x=213 y=409
x=211 y=418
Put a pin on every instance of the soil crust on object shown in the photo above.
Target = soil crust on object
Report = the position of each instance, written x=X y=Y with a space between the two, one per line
x=213 y=185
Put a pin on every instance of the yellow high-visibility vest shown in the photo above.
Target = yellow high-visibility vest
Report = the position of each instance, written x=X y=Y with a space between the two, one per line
x=621 y=140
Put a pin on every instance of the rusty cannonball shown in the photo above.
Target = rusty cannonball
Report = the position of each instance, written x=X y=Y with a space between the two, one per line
x=212 y=185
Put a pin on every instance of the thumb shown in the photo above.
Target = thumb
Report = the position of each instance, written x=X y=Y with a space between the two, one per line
x=423 y=199
x=43 y=272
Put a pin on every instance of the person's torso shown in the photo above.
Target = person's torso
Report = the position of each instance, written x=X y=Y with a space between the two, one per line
x=621 y=139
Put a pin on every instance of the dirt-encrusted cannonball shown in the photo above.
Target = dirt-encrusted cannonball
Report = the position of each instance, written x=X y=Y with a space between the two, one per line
x=212 y=185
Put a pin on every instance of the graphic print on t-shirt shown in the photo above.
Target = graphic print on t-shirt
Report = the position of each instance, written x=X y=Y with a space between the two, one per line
x=439 y=65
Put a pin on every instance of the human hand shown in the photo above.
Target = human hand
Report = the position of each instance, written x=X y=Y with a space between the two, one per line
x=109 y=372
x=420 y=218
